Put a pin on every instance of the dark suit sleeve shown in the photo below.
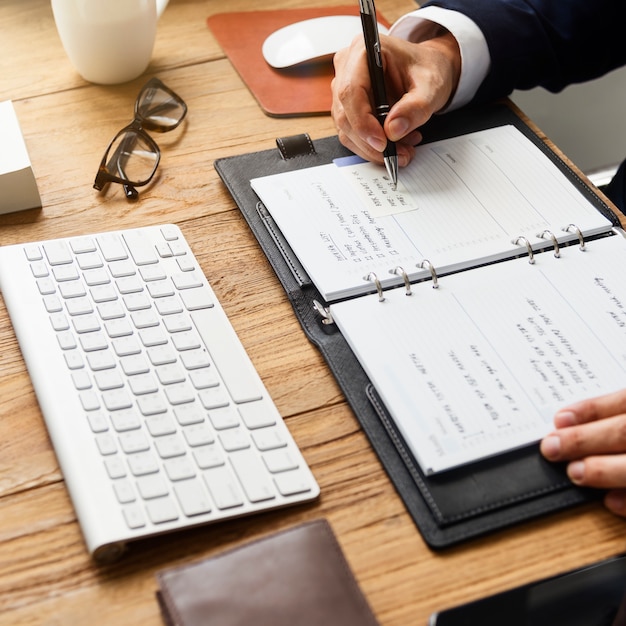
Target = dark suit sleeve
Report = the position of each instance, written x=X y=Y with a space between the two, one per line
x=548 y=43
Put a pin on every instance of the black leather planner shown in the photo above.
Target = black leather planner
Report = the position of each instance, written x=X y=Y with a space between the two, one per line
x=458 y=504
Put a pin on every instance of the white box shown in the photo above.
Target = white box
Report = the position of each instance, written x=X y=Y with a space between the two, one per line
x=18 y=187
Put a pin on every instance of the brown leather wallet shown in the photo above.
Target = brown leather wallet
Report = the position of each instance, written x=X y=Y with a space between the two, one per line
x=296 y=577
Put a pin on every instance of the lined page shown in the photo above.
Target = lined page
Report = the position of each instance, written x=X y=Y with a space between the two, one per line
x=459 y=203
x=481 y=364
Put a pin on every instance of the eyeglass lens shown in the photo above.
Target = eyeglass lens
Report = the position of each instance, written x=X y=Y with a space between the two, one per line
x=159 y=109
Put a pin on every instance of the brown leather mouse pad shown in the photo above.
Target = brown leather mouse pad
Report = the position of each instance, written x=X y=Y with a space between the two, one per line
x=299 y=91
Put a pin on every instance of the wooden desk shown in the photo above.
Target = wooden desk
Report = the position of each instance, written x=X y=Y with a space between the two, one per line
x=46 y=576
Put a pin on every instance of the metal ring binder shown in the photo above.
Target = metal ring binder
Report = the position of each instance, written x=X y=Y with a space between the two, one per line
x=555 y=243
x=400 y=271
x=433 y=273
x=373 y=278
x=324 y=312
x=569 y=227
x=531 y=254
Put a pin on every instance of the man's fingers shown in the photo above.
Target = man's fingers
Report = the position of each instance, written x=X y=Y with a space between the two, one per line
x=593 y=409
x=607 y=436
x=602 y=472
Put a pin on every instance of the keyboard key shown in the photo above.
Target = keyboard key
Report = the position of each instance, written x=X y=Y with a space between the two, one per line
x=98 y=423
x=231 y=361
x=59 y=321
x=74 y=359
x=93 y=342
x=151 y=404
x=81 y=379
x=177 y=323
x=106 y=444
x=170 y=446
x=58 y=252
x=268 y=439
x=199 y=434
x=116 y=399
x=152 y=486
x=134 y=516
x=112 y=247
x=89 y=400
x=187 y=414
x=234 y=439
x=255 y=482
x=115 y=467
x=214 y=398
x=108 y=379
x=124 y=491
x=65 y=272
x=279 y=461
x=179 y=468
x=162 y=424
x=143 y=463
x=226 y=417
x=196 y=299
x=187 y=280
x=96 y=277
x=223 y=487
x=208 y=456
x=134 y=441
x=82 y=245
x=141 y=248
x=192 y=497
x=89 y=260
x=102 y=292
x=39 y=269
x=121 y=268
x=125 y=420
x=292 y=483
x=161 y=510
x=257 y=415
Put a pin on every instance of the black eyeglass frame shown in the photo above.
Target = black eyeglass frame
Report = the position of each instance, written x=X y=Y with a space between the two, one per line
x=137 y=128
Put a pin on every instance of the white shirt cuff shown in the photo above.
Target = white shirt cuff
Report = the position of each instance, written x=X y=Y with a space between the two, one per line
x=475 y=58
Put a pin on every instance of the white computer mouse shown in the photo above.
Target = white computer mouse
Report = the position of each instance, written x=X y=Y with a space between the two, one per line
x=311 y=40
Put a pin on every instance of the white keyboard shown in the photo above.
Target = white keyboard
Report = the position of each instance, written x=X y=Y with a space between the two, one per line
x=157 y=416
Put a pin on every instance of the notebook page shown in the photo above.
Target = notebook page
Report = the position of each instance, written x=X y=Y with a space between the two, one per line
x=459 y=203
x=481 y=364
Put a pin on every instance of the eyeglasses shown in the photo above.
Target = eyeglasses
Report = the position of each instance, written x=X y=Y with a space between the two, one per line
x=133 y=156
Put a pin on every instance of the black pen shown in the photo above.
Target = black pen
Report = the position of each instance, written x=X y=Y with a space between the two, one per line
x=377 y=78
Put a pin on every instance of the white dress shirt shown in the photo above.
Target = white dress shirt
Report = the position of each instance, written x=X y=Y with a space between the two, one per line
x=475 y=59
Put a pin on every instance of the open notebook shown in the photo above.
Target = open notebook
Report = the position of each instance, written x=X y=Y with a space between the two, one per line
x=477 y=366
x=400 y=363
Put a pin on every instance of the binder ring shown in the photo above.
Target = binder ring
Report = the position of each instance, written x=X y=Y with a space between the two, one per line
x=433 y=273
x=373 y=278
x=555 y=243
x=400 y=271
x=522 y=240
x=581 y=239
x=324 y=312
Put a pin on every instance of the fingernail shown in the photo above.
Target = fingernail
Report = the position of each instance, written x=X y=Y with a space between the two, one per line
x=398 y=128
x=551 y=447
x=576 y=471
x=564 y=419
x=377 y=144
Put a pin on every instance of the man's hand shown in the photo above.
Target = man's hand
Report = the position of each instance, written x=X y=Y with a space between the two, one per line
x=591 y=435
x=420 y=78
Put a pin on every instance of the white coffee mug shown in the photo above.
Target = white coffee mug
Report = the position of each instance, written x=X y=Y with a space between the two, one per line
x=108 y=41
